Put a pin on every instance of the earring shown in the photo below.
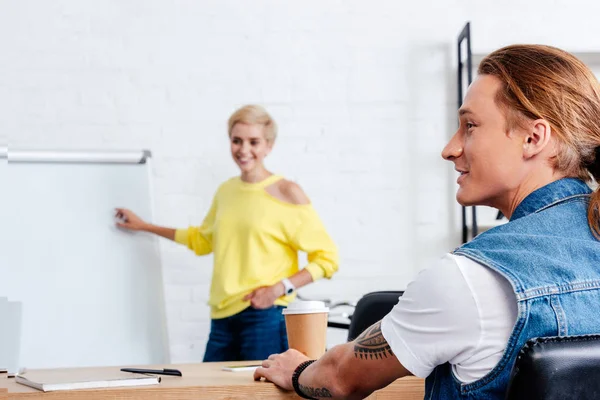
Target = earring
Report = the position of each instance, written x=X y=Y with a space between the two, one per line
x=460 y=150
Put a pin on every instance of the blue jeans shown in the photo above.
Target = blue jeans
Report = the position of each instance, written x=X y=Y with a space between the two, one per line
x=249 y=335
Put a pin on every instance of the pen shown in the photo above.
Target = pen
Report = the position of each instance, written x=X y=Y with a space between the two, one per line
x=165 y=371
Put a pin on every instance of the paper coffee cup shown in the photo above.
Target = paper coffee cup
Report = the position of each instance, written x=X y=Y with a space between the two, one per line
x=306 y=325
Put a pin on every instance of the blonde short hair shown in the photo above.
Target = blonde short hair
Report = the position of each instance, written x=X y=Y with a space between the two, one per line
x=253 y=114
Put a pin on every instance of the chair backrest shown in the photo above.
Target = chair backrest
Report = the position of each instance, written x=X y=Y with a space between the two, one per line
x=371 y=308
x=554 y=368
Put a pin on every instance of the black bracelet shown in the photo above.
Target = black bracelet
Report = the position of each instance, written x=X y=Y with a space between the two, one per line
x=296 y=376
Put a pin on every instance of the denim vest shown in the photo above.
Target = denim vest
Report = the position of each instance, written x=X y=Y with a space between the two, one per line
x=549 y=255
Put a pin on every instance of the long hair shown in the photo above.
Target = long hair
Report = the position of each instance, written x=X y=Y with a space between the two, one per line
x=543 y=82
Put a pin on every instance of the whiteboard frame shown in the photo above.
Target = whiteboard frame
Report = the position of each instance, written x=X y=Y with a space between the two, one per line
x=77 y=156
x=155 y=240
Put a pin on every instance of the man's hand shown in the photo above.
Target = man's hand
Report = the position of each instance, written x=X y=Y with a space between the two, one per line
x=279 y=368
x=265 y=296
x=351 y=370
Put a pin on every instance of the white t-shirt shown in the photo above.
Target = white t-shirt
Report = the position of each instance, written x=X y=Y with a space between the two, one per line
x=457 y=311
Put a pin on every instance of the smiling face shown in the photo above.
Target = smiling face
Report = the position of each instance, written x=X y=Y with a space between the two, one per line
x=249 y=146
x=488 y=156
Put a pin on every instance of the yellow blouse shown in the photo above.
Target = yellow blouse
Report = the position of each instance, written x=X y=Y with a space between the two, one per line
x=255 y=239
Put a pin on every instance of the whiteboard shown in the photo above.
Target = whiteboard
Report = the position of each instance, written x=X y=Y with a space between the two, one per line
x=91 y=293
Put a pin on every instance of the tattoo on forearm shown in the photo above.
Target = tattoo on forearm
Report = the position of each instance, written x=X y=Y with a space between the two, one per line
x=315 y=392
x=371 y=344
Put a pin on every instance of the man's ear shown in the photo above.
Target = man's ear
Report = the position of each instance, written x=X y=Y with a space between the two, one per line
x=537 y=138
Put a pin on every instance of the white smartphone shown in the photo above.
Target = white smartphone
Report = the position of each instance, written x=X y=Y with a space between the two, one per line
x=240 y=368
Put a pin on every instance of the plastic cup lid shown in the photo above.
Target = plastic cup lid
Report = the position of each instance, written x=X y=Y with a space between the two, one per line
x=306 y=307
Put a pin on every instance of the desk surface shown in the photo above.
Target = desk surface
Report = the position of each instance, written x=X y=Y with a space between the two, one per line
x=200 y=381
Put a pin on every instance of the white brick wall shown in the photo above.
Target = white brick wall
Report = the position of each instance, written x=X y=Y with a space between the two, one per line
x=364 y=93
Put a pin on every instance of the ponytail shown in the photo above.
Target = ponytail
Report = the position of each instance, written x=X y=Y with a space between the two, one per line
x=594 y=207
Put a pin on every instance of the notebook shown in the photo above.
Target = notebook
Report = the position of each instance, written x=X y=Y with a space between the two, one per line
x=70 y=379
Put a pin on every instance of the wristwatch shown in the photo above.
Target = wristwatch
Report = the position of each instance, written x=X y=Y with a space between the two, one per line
x=288 y=286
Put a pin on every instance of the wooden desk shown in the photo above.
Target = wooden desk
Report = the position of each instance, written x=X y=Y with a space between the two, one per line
x=203 y=381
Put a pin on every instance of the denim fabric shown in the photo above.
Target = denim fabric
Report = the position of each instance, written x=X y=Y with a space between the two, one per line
x=249 y=335
x=549 y=255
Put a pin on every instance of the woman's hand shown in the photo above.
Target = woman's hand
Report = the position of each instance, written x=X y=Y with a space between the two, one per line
x=129 y=220
x=265 y=296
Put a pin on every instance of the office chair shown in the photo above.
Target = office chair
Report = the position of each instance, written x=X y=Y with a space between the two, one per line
x=557 y=368
x=372 y=307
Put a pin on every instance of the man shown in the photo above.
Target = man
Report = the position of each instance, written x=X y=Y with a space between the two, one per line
x=528 y=141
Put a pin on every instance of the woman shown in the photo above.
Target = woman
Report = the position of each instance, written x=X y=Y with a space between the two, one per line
x=527 y=144
x=255 y=226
